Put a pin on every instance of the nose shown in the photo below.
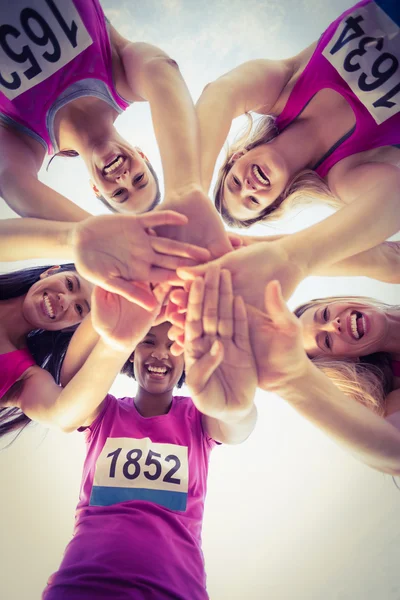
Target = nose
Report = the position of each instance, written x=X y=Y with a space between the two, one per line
x=160 y=353
x=250 y=185
x=333 y=325
x=64 y=301
x=122 y=176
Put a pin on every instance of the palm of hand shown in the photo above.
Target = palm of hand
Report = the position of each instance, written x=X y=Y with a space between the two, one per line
x=119 y=322
x=232 y=384
x=107 y=246
x=204 y=228
x=277 y=347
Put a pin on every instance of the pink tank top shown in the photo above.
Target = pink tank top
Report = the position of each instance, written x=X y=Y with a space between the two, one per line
x=12 y=366
x=396 y=367
x=358 y=56
x=52 y=52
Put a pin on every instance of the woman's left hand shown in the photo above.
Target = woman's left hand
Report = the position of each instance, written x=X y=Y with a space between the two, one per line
x=219 y=365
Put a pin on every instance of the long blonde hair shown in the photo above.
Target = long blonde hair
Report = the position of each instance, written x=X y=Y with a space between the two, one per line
x=305 y=187
x=367 y=381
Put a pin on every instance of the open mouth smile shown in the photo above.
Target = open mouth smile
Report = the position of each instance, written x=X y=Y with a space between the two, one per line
x=158 y=371
x=48 y=307
x=357 y=325
x=115 y=165
x=259 y=175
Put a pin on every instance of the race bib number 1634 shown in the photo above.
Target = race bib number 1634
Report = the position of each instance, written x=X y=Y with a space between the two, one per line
x=37 y=38
x=365 y=51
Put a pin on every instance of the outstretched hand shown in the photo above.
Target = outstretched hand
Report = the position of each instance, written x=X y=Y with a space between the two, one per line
x=116 y=251
x=219 y=365
x=277 y=342
x=121 y=323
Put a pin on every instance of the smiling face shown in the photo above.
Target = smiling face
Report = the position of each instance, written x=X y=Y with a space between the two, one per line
x=345 y=329
x=121 y=175
x=156 y=370
x=58 y=300
x=257 y=178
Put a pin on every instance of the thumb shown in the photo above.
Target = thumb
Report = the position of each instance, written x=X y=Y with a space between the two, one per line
x=132 y=291
x=186 y=273
x=275 y=305
x=203 y=368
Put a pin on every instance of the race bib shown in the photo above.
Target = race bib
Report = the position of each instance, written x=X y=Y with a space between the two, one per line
x=139 y=469
x=365 y=51
x=37 y=38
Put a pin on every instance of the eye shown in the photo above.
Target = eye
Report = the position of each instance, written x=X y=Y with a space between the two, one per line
x=325 y=314
x=236 y=181
x=138 y=178
x=79 y=309
x=327 y=342
x=70 y=285
x=117 y=193
x=254 y=200
x=148 y=342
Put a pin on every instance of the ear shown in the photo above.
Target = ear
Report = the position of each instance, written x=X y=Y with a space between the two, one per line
x=132 y=357
x=51 y=271
x=237 y=155
x=142 y=154
x=95 y=189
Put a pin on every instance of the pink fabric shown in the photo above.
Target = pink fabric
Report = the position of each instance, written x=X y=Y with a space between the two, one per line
x=12 y=366
x=86 y=40
x=139 y=516
x=321 y=74
x=396 y=367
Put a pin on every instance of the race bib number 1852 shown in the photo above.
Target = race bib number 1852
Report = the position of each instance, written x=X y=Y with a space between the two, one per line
x=365 y=51
x=37 y=38
x=139 y=469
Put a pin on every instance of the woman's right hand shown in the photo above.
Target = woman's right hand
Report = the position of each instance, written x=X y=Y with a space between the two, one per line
x=122 y=323
x=116 y=251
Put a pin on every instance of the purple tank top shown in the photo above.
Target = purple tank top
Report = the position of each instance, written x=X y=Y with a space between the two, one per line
x=359 y=57
x=12 y=366
x=46 y=48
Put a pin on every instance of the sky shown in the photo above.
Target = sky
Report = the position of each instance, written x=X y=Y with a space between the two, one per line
x=288 y=513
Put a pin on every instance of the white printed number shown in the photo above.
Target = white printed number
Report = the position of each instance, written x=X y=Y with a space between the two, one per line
x=362 y=57
x=37 y=41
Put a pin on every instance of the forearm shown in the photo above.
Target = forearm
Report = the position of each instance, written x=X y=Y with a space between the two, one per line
x=84 y=393
x=368 y=436
x=359 y=226
x=175 y=125
x=231 y=431
x=29 y=197
x=81 y=345
x=21 y=239
x=215 y=119
x=381 y=263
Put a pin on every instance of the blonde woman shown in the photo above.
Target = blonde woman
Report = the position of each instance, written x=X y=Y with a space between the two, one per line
x=331 y=130
x=356 y=341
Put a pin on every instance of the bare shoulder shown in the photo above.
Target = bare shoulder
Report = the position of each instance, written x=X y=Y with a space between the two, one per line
x=349 y=179
x=393 y=403
x=20 y=147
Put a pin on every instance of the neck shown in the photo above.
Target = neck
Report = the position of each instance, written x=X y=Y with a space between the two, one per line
x=298 y=144
x=81 y=125
x=392 y=339
x=152 y=405
x=13 y=323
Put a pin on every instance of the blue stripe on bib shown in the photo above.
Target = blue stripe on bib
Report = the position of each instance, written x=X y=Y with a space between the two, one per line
x=391 y=8
x=106 y=496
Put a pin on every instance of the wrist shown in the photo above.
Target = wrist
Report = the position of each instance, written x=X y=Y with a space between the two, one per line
x=178 y=194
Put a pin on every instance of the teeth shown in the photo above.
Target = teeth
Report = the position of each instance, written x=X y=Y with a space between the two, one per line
x=364 y=325
x=259 y=176
x=48 y=306
x=160 y=370
x=353 y=323
x=114 y=165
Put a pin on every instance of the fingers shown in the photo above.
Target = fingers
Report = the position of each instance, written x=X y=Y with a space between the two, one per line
x=172 y=262
x=225 y=305
x=190 y=273
x=180 y=298
x=132 y=291
x=162 y=217
x=176 y=349
x=210 y=308
x=235 y=240
x=241 y=324
x=194 y=322
x=203 y=368
x=183 y=249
